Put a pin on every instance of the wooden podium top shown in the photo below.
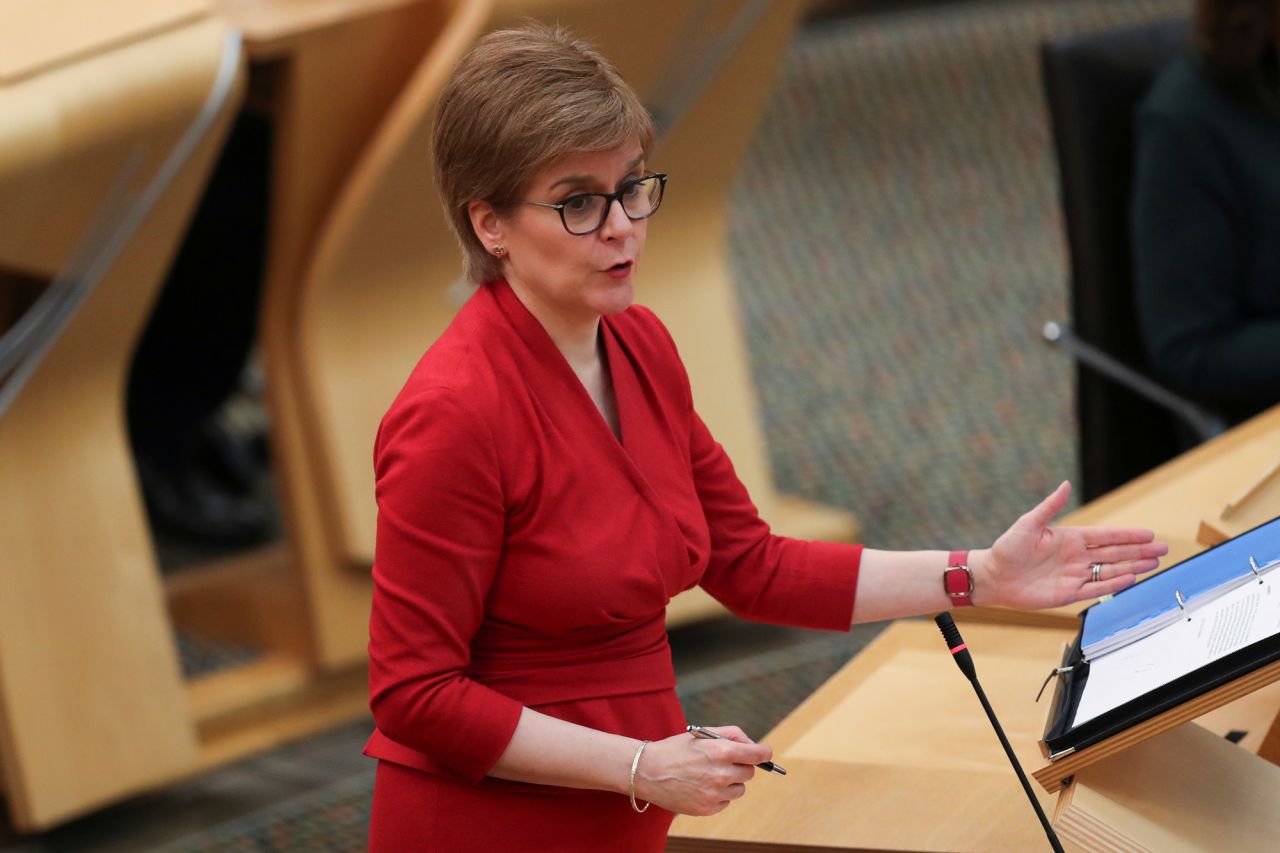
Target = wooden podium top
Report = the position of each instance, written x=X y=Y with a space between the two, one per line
x=895 y=753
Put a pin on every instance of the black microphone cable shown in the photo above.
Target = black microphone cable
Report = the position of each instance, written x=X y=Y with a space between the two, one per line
x=964 y=660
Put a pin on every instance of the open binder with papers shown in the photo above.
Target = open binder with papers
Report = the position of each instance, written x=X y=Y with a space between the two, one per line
x=1186 y=633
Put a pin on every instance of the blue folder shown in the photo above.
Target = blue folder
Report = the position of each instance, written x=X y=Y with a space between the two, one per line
x=1153 y=603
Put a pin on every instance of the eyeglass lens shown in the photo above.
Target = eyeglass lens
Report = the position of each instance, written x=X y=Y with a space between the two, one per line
x=585 y=213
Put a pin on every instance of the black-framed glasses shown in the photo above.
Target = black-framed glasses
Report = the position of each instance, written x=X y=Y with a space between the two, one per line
x=585 y=213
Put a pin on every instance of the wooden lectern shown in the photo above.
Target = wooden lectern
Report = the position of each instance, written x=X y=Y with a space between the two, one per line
x=1169 y=784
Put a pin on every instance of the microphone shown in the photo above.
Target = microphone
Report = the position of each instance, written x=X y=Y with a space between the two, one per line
x=964 y=660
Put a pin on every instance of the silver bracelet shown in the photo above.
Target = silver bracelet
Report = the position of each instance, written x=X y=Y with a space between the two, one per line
x=631 y=786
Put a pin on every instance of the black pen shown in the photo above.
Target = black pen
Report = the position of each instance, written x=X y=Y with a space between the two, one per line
x=699 y=731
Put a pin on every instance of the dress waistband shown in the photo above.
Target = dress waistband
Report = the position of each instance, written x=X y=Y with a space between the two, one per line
x=635 y=661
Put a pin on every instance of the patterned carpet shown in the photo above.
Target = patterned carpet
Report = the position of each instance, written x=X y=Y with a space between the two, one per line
x=897 y=246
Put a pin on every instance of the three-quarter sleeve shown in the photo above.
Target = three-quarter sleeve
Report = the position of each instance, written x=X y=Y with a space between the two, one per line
x=759 y=575
x=439 y=539
x=1188 y=228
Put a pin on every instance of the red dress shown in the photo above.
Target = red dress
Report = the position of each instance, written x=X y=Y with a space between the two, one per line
x=525 y=556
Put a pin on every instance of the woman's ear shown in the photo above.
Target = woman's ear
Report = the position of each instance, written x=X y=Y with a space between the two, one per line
x=485 y=223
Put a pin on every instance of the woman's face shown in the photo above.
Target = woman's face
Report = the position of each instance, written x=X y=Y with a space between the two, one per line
x=568 y=281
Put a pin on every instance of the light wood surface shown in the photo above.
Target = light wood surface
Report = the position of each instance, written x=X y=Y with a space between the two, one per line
x=274 y=28
x=1186 y=790
x=894 y=752
x=251 y=600
x=276 y=705
x=91 y=699
x=33 y=41
x=1265 y=493
x=1258 y=503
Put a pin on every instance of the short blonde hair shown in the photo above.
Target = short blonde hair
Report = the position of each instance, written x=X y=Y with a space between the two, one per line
x=519 y=100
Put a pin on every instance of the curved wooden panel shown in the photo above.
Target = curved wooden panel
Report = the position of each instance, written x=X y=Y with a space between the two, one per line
x=92 y=706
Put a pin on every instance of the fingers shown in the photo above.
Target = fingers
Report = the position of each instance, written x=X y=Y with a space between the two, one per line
x=742 y=749
x=730 y=733
x=1044 y=513
x=1111 y=585
x=702 y=776
x=1127 y=567
x=742 y=754
x=1096 y=537
x=1113 y=554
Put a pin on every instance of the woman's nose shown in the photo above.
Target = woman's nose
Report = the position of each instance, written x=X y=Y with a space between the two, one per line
x=616 y=221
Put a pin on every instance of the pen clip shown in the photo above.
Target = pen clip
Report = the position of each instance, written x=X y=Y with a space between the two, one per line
x=1182 y=602
x=1057 y=670
x=1257 y=572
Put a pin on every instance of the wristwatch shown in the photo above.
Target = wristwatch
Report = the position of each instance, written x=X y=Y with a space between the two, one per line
x=957 y=579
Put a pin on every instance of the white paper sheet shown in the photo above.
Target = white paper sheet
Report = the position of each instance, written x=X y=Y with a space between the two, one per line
x=1243 y=616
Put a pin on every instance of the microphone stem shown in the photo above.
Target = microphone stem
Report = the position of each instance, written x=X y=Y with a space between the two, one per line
x=1022 y=777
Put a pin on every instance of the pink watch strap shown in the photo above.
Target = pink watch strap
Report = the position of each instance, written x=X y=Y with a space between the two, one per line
x=957 y=580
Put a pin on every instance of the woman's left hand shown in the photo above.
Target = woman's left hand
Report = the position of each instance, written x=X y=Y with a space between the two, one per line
x=1033 y=565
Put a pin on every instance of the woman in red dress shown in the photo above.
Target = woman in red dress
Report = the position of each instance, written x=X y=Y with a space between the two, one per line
x=545 y=486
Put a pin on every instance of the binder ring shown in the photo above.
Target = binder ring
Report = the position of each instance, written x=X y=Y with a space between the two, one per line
x=1096 y=569
x=1253 y=564
x=1182 y=602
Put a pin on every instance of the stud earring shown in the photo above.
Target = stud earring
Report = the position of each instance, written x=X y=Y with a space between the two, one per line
x=499 y=251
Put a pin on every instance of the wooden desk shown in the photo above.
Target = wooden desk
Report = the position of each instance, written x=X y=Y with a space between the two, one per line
x=872 y=766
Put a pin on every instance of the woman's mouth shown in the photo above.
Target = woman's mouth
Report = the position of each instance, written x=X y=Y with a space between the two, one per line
x=620 y=270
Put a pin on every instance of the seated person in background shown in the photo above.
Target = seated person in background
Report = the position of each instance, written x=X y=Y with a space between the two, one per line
x=1206 y=212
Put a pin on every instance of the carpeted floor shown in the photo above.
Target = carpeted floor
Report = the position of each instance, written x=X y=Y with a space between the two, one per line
x=897 y=247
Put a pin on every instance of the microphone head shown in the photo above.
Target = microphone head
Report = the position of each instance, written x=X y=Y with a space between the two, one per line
x=950 y=632
x=959 y=651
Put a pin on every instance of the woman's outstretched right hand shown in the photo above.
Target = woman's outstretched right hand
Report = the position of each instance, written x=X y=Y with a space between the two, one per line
x=697 y=776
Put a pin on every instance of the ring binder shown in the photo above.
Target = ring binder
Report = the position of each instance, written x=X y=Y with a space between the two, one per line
x=1095 y=698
